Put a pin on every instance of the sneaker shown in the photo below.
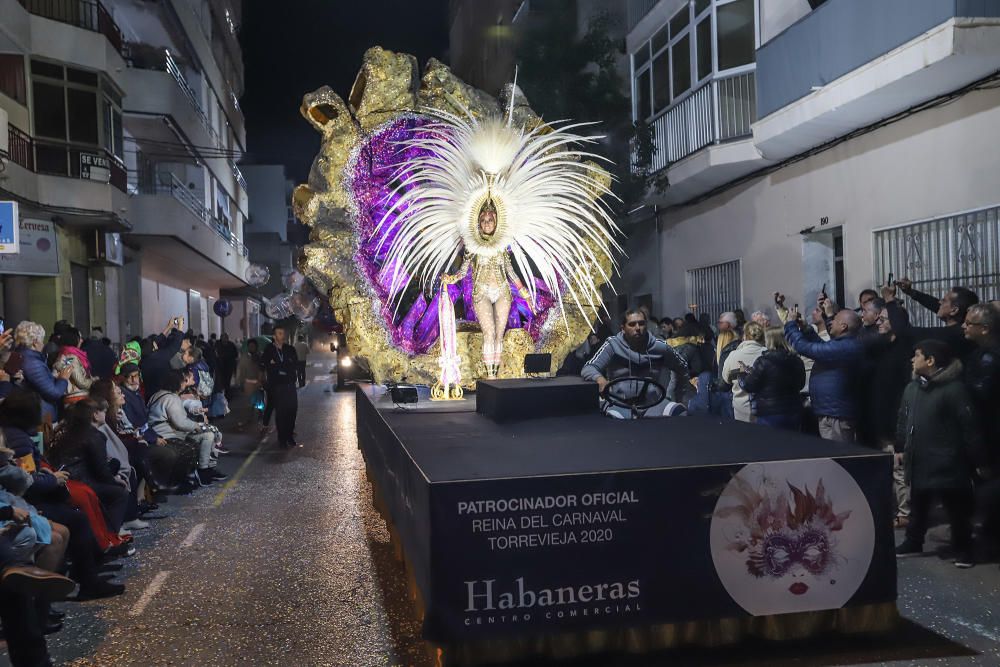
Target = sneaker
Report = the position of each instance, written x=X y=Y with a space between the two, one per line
x=908 y=548
x=135 y=524
x=100 y=588
x=204 y=476
x=964 y=561
x=123 y=550
x=36 y=582
x=216 y=475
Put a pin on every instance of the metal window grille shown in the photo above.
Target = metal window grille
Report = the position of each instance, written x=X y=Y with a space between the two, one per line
x=962 y=249
x=715 y=289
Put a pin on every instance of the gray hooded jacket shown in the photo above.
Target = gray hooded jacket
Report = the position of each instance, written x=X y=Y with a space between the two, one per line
x=616 y=359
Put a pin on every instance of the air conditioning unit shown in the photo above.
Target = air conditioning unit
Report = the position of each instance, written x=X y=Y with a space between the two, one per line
x=106 y=248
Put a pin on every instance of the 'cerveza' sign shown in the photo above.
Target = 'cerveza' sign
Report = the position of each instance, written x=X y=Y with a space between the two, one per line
x=95 y=167
x=8 y=227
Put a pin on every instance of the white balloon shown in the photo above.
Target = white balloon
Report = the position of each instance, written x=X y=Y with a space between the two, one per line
x=257 y=274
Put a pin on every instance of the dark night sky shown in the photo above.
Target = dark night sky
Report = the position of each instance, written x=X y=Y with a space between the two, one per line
x=292 y=47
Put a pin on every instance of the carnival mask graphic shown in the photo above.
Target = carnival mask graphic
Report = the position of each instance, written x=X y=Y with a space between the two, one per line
x=792 y=536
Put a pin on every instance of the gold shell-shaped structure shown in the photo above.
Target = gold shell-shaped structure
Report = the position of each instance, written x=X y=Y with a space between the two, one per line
x=387 y=87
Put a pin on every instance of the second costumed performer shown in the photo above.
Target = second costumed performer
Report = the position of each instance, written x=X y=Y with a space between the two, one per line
x=510 y=202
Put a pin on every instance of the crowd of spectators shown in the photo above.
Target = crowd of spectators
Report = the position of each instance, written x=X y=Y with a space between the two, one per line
x=91 y=439
x=865 y=375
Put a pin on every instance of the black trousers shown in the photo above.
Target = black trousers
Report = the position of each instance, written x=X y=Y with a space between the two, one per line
x=82 y=548
x=285 y=399
x=989 y=503
x=959 y=504
x=300 y=372
x=22 y=622
x=115 y=500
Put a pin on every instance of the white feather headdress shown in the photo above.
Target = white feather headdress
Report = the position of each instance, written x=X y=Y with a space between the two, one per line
x=550 y=212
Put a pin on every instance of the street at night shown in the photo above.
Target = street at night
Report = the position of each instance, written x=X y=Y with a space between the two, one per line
x=292 y=565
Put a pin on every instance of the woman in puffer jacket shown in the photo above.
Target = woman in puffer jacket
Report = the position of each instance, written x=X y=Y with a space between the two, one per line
x=775 y=383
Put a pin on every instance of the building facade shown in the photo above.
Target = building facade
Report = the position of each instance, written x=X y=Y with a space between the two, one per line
x=809 y=147
x=123 y=133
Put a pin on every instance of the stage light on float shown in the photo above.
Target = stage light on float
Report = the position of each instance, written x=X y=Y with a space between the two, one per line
x=346 y=362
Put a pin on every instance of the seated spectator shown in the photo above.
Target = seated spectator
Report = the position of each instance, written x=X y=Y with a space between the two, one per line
x=70 y=354
x=169 y=419
x=833 y=389
x=775 y=382
x=81 y=448
x=738 y=364
x=194 y=361
x=124 y=446
x=50 y=493
x=690 y=342
x=940 y=434
x=950 y=309
x=634 y=352
x=29 y=340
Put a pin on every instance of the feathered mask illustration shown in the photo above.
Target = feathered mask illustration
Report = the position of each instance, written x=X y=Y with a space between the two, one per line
x=783 y=528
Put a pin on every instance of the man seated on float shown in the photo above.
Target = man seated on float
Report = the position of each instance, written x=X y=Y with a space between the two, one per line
x=634 y=353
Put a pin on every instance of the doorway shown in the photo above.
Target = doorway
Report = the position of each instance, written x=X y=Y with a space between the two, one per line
x=823 y=267
x=81 y=297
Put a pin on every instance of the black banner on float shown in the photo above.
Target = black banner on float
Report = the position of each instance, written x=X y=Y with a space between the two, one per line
x=550 y=554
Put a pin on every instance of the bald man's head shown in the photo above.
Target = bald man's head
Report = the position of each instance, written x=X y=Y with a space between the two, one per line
x=845 y=322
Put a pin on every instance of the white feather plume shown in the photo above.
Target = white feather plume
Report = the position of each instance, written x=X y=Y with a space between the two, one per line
x=542 y=181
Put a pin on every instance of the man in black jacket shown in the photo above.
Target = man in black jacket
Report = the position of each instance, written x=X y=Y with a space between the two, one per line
x=280 y=364
x=982 y=378
x=950 y=309
x=156 y=365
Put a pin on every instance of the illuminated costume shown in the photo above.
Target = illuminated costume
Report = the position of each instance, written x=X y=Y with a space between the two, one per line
x=406 y=166
x=507 y=197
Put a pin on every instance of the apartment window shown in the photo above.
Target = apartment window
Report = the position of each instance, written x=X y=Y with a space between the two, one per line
x=715 y=289
x=735 y=25
x=681 y=58
x=959 y=249
x=75 y=105
x=705 y=37
x=661 y=81
x=703 y=44
x=12 y=79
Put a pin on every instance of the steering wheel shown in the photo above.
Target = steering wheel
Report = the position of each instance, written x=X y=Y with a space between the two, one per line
x=650 y=393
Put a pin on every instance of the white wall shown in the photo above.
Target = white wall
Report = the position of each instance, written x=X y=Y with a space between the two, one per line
x=159 y=303
x=939 y=162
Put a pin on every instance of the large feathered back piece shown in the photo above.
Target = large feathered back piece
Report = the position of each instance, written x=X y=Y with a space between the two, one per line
x=549 y=199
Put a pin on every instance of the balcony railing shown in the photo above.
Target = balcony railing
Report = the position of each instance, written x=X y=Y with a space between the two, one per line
x=20 y=147
x=60 y=159
x=87 y=14
x=239 y=177
x=721 y=110
x=165 y=183
x=637 y=9
x=140 y=56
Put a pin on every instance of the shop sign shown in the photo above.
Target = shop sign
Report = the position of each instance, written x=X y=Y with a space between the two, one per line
x=38 y=253
x=8 y=227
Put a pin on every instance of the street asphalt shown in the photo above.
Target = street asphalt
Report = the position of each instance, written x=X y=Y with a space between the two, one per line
x=287 y=563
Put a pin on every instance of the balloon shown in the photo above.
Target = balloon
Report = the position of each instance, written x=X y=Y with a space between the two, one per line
x=292 y=280
x=222 y=308
x=257 y=274
x=278 y=308
x=303 y=306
